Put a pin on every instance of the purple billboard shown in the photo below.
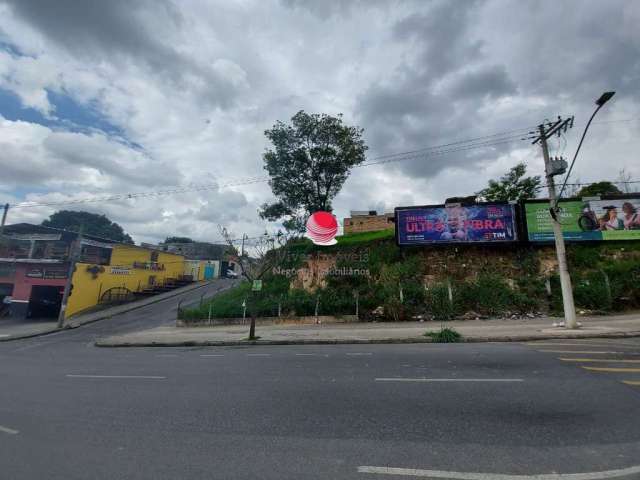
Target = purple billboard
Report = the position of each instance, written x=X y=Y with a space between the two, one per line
x=455 y=223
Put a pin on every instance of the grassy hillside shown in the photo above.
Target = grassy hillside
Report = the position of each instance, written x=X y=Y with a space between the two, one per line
x=444 y=282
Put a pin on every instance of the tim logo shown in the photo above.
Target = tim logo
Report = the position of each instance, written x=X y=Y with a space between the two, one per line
x=322 y=228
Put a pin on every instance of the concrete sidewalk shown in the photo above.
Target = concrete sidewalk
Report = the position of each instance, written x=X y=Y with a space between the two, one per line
x=13 y=329
x=406 y=332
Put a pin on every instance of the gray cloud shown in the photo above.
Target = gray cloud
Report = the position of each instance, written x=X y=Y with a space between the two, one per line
x=196 y=83
x=124 y=32
x=491 y=80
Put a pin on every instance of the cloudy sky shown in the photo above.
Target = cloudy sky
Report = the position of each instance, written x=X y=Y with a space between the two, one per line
x=106 y=97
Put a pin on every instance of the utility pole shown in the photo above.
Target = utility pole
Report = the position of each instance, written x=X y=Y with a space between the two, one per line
x=73 y=258
x=244 y=237
x=4 y=217
x=550 y=170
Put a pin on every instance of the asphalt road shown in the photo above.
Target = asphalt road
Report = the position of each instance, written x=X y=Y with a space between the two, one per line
x=69 y=410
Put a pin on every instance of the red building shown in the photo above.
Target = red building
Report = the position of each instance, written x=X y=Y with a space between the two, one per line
x=34 y=264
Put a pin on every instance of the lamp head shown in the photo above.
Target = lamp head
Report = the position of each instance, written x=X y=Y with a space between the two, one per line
x=604 y=98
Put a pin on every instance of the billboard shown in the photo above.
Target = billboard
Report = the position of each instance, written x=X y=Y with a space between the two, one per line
x=455 y=223
x=583 y=220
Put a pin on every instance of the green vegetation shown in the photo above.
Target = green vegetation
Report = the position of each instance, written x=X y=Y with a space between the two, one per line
x=308 y=162
x=512 y=186
x=445 y=335
x=364 y=237
x=91 y=224
x=443 y=283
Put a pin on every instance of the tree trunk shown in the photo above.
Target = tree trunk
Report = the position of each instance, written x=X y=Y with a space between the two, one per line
x=252 y=311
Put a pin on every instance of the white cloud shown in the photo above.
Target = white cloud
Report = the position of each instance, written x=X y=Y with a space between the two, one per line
x=195 y=84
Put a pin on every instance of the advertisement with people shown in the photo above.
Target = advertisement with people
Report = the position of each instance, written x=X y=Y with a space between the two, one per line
x=455 y=223
x=582 y=220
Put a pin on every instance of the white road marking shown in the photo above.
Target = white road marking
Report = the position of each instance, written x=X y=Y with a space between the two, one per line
x=258 y=354
x=212 y=355
x=411 y=472
x=167 y=355
x=449 y=380
x=3 y=335
x=153 y=377
x=590 y=352
x=8 y=430
x=306 y=354
x=355 y=354
x=584 y=344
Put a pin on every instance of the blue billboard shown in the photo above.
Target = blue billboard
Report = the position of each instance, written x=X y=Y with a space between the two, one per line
x=455 y=223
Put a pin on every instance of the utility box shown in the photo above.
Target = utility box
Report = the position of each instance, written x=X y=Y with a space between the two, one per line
x=557 y=166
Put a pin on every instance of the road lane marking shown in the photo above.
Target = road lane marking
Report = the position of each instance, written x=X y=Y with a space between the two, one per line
x=167 y=355
x=412 y=472
x=311 y=355
x=8 y=430
x=449 y=380
x=3 y=335
x=585 y=344
x=356 y=354
x=632 y=382
x=212 y=355
x=613 y=369
x=153 y=377
x=598 y=360
x=258 y=354
x=589 y=352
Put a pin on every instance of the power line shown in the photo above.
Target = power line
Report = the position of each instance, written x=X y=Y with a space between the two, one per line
x=484 y=141
x=520 y=131
x=461 y=145
x=461 y=148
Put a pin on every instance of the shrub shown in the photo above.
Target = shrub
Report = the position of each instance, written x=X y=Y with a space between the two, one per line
x=592 y=292
x=488 y=294
x=438 y=303
x=445 y=335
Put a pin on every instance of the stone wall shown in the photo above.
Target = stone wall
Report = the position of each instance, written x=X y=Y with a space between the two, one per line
x=441 y=263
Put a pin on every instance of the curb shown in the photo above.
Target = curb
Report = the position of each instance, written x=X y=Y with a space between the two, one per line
x=30 y=335
x=174 y=293
x=474 y=339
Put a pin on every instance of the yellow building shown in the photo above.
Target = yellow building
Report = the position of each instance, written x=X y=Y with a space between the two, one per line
x=131 y=270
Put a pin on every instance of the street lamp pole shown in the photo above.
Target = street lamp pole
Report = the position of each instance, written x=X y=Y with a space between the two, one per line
x=604 y=98
x=551 y=170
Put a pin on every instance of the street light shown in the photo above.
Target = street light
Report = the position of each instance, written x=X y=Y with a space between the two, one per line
x=604 y=98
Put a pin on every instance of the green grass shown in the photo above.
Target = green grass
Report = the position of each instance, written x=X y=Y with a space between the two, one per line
x=350 y=239
x=445 y=335
x=363 y=237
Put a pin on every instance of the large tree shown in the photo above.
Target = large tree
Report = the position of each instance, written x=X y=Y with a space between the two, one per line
x=92 y=224
x=599 y=188
x=512 y=186
x=308 y=163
